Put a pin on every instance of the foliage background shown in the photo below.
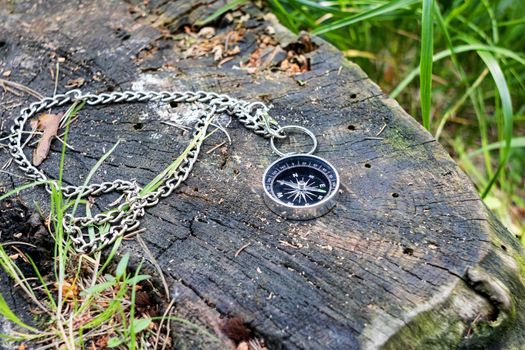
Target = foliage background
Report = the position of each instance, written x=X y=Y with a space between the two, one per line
x=458 y=66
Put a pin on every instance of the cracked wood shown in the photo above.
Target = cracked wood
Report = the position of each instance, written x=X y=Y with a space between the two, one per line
x=394 y=254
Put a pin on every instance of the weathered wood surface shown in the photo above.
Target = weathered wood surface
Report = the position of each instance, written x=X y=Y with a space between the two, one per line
x=410 y=257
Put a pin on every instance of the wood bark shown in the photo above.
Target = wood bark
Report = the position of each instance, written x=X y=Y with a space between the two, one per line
x=409 y=258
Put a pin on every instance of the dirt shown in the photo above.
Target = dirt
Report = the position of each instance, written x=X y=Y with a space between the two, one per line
x=23 y=233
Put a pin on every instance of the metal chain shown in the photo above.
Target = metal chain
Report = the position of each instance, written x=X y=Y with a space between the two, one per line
x=125 y=218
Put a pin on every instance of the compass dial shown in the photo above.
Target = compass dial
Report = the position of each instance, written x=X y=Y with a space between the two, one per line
x=300 y=186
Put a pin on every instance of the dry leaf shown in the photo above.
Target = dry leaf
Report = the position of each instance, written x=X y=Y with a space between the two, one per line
x=74 y=83
x=69 y=289
x=48 y=124
x=6 y=73
x=21 y=347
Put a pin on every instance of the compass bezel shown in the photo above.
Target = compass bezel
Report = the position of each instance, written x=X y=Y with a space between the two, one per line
x=300 y=212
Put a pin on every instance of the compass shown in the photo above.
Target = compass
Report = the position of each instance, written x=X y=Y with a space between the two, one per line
x=300 y=186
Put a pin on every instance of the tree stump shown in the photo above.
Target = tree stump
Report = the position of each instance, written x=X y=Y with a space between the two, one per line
x=409 y=258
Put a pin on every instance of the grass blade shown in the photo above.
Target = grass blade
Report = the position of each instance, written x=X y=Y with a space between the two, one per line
x=517 y=142
x=232 y=5
x=283 y=15
x=92 y=172
x=19 y=189
x=6 y=311
x=425 y=62
x=131 y=331
x=97 y=288
x=374 y=12
x=458 y=49
x=139 y=324
x=74 y=109
x=506 y=104
x=459 y=103
x=172 y=168
x=122 y=266
x=42 y=282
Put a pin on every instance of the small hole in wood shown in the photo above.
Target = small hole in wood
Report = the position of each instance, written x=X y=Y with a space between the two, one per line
x=395 y=195
x=503 y=247
x=367 y=165
x=236 y=172
x=353 y=95
x=196 y=189
x=173 y=104
x=138 y=126
x=2 y=43
x=351 y=127
x=122 y=34
x=201 y=219
x=408 y=251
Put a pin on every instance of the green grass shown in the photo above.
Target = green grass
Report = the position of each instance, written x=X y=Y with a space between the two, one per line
x=81 y=301
x=471 y=91
x=425 y=61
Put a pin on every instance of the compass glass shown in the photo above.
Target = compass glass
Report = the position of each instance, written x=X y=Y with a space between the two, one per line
x=301 y=180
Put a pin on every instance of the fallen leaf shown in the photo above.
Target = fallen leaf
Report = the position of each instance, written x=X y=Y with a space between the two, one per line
x=69 y=289
x=74 y=83
x=6 y=73
x=48 y=124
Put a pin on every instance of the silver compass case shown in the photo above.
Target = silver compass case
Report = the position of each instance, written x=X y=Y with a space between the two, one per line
x=300 y=186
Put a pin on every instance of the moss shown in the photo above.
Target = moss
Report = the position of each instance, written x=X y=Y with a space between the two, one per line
x=485 y=310
x=463 y=317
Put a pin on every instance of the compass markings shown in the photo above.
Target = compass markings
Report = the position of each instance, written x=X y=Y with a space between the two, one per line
x=302 y=190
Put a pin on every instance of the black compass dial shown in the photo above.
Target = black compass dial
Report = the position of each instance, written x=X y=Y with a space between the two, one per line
x=301 y=180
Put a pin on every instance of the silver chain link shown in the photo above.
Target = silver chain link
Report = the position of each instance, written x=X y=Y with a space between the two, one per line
x=125 y=218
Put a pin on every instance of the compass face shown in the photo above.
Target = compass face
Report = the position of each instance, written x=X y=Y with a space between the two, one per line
x=300 y=186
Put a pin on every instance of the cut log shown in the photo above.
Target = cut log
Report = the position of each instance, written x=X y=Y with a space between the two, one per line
x=409 y=258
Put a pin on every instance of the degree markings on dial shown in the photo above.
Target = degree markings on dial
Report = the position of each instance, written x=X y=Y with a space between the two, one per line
x=292 y=183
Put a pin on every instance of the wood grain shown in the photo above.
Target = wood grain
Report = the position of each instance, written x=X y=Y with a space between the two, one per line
x=409 y=258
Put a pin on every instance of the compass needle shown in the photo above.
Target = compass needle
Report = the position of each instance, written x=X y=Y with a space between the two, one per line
x=303 y=195
x=309 y=195
x=314 y=189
